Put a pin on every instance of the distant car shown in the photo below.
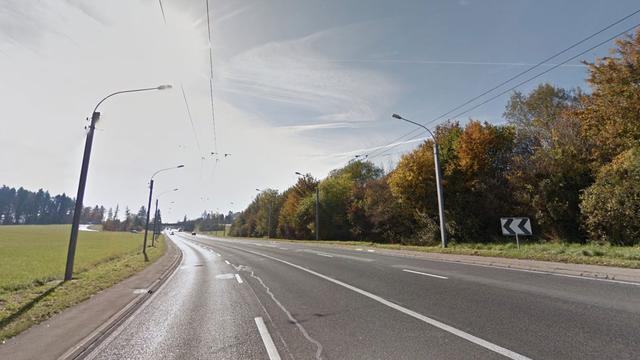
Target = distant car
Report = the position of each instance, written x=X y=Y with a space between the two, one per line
x=193 y=233
x=172 y=233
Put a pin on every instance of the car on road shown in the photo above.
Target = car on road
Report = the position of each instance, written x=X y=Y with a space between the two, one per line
x=193 y=233
x=172 y=233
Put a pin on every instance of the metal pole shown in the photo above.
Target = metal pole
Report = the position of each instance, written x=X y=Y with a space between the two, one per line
x=436 y=161
x=317 y=212
x=517 y=241
x=155 y=225
x=146 y=227
x=269 y=229
x=73 y=240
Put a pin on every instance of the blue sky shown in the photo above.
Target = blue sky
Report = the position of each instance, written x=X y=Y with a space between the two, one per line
x=298 y=85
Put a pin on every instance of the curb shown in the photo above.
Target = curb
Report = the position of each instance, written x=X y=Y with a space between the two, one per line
x=91 y=341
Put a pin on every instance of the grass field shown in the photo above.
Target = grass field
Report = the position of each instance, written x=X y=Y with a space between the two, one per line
x=593 y=254
x=32 y=261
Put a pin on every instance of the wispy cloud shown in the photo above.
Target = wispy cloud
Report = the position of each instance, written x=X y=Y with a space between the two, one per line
x=296 y=73
x=447 y=62
x=320 y=126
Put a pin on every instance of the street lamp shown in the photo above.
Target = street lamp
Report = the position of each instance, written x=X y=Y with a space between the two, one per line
x=156 y=229
x=146 y=226
x=84 y=169
x=436 y=161
x=317 y=224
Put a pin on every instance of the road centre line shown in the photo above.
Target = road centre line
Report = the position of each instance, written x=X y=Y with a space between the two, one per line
x=239 y=279
x=426 y=274
x=272 y=351
x=450 y=329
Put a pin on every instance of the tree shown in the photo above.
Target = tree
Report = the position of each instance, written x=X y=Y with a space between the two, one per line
x=550 y=162
x=611 y=206
x=610 y=115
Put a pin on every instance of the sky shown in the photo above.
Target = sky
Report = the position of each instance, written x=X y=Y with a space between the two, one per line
x=297 y=86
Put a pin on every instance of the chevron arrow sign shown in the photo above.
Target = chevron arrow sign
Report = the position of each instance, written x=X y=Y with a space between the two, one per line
x=515 y=226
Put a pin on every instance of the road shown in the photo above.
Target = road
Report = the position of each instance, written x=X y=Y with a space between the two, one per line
x=243 y=299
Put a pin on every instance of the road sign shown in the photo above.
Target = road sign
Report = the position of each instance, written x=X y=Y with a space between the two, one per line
x=516 y=226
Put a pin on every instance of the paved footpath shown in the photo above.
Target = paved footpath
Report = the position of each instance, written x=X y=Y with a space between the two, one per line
x=59 y=336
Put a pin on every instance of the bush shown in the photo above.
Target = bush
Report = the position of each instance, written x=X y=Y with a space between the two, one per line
x=611 y=206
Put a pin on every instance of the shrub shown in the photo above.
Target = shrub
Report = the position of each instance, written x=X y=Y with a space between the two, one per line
x=611 y=206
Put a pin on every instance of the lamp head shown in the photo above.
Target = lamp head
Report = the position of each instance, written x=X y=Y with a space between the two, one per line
x=164 y=87
x=396 y=116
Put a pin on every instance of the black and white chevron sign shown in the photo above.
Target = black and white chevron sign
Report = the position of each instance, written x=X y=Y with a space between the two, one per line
x=516 y=226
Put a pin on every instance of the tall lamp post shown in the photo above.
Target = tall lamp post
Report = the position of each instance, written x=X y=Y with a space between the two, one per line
x=156 y=229
x=436 y=161
x=84 y=169
x=146 y=226
x=317 y=223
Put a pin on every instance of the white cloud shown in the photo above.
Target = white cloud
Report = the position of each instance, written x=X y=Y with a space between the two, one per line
x=297 y=74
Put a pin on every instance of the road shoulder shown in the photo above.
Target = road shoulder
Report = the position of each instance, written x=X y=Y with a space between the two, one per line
x=68 y=333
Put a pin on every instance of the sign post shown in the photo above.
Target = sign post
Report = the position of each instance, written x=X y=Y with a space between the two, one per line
x=514 y=226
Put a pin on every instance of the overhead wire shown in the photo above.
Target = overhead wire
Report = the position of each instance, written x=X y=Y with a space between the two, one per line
x=213 y=117
x=377 y=152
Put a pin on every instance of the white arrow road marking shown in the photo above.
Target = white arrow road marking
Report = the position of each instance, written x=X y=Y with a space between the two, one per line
x=426 y=274
x=239 y=279
x=433 y=322
x=272 y=351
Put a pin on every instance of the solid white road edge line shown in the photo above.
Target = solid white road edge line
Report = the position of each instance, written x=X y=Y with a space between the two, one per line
x=426 y=274
x=590 y=278
x=266 y=339
x=450 y=329
x=239 y=279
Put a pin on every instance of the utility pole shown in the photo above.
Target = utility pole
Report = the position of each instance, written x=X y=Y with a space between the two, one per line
x=270 y=209
x=318 y=212
x=146 y=226
x=155 y=225
x=73 y=240
x=84 y=169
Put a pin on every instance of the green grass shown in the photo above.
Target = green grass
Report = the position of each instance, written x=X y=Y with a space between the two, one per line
x=218 y=233
x=32 y=260
x=592 y=254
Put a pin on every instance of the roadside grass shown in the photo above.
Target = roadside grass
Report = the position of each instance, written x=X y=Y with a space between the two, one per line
x=591 y=254
x=32 y=260
x=218 y=233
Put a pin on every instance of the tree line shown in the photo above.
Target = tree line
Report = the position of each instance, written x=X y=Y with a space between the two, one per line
x=24 y=207
x=568 y=159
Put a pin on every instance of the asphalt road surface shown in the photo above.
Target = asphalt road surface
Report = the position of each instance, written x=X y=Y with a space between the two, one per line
x=243 y=299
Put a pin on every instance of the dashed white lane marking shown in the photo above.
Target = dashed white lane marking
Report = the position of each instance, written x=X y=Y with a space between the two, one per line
x=239 y=279
x=433 y=322
x=272 y=351
x=426 y=274
x=224 y=276
x=227 y=261
x=359 y=249
x=371 y=250
x=323 y=254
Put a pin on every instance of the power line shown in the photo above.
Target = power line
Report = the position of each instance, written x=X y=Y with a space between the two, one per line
x=195 y=134
x=213 y=117
x=540 y=74
x=520 y=74
x=162 y=9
